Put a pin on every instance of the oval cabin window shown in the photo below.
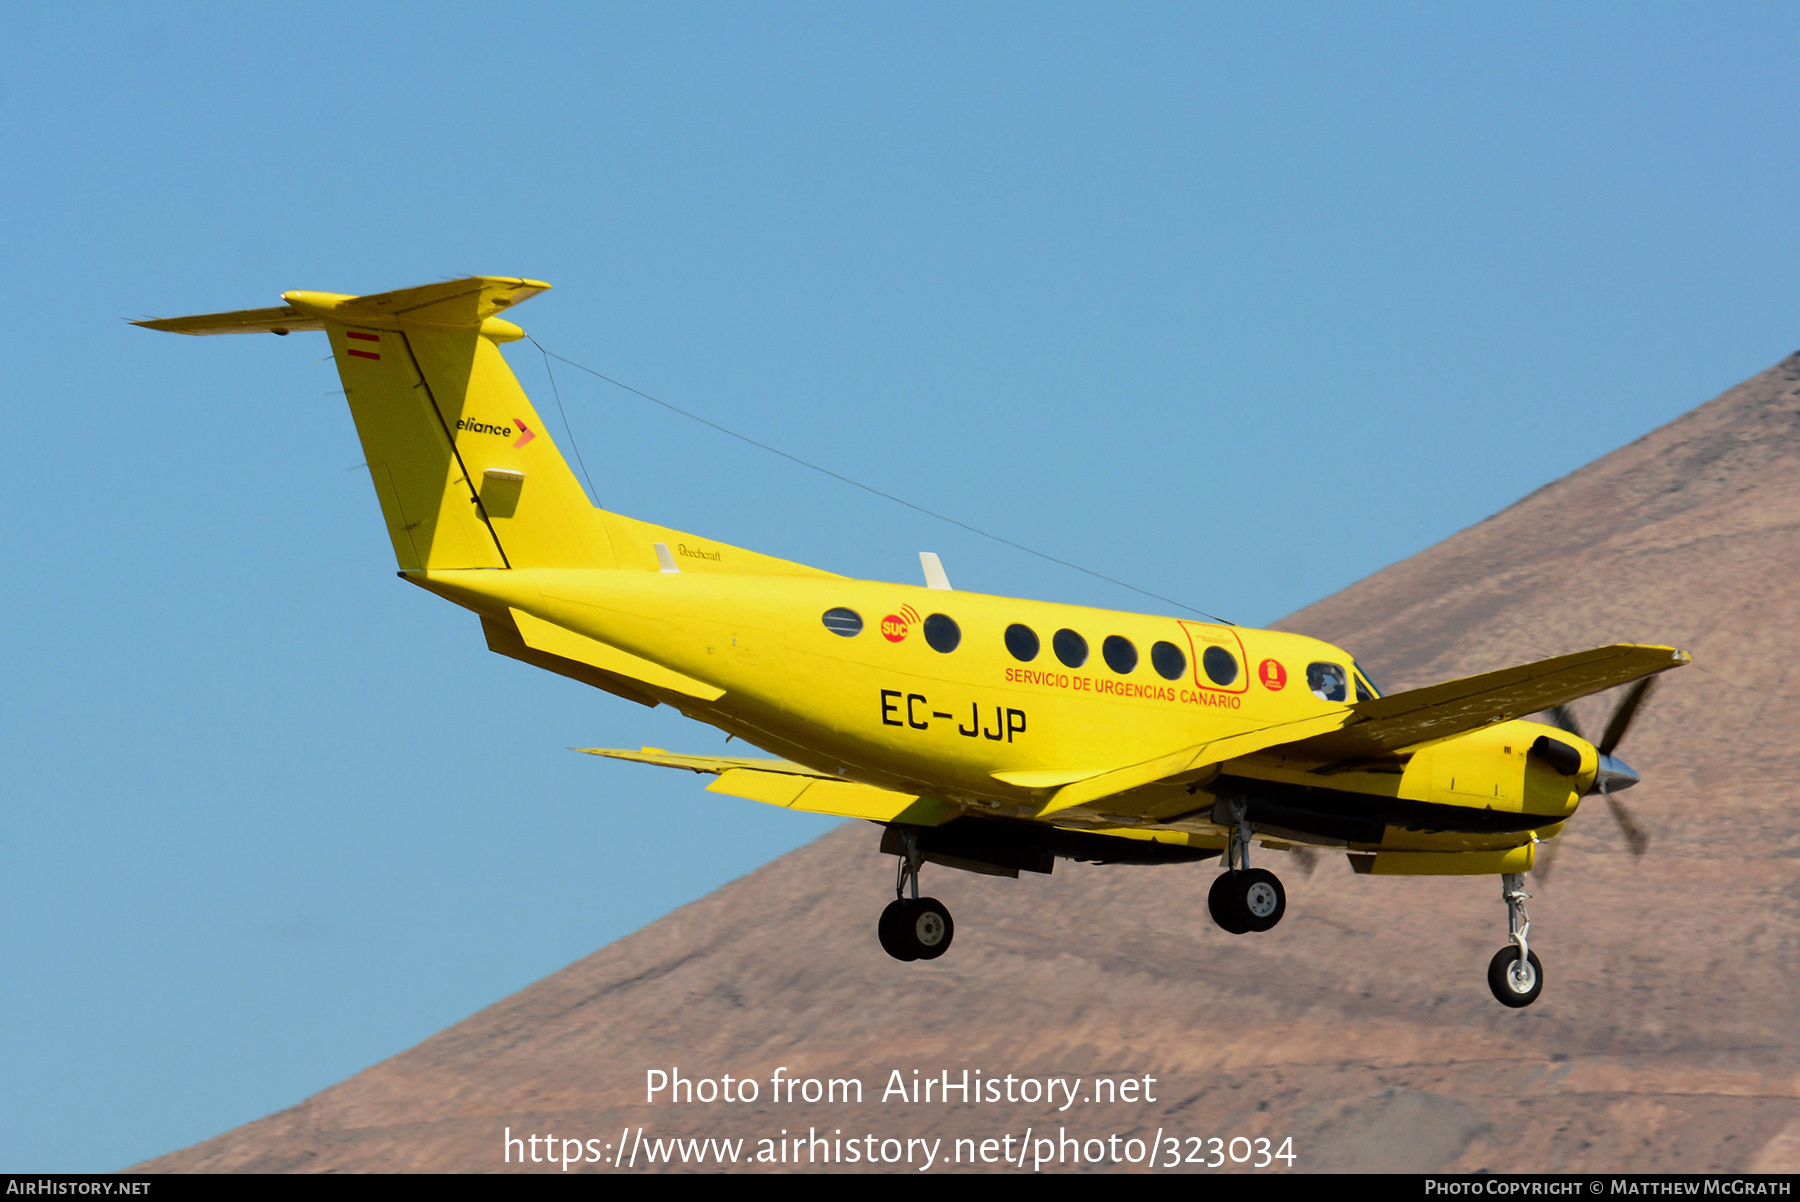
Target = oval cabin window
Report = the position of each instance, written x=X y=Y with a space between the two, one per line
x=1022 y=641
x=1070 y=648
x=1119 y=654
x=942 y=632
x=846 y=622
x=1221 y=665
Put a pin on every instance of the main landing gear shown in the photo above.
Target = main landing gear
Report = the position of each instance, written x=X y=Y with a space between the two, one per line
x=914 y=928
x=1514 y=973
x=1245 y=898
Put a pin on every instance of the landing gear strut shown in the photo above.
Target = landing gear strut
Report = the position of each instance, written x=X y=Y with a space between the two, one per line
x=1244 y=898
x=914 y=927
x=1514 y=973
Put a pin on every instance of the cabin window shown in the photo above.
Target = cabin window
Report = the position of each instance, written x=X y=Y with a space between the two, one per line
x=1169 y=662
x=1221 y=665
x=1119 y=654
x=1022 y=641
x=942 y=632
x=846 y=622
x=1070 y=648
x=1327 y=682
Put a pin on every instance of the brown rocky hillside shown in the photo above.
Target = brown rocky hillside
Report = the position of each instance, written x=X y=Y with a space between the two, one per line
x=1668 y=1037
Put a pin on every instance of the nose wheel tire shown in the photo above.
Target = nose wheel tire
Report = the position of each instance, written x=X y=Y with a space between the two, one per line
x=1515 y=984
x=916 y=930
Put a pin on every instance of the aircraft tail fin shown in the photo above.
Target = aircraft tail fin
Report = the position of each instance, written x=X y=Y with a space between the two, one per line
x=467 y=474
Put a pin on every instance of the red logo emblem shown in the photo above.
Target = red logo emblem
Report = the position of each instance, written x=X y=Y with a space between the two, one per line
x=526 y=433
x=895 y=626
x=1272 y=675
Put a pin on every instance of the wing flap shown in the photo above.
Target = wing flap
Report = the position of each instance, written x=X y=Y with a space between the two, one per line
x=710 y=765
x=1187 y=761
x=791 y=786
x=841 y=798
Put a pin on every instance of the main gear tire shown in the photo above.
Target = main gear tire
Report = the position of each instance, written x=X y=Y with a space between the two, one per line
x=1261 y=899
x=1222 y=900
x=892 y=931
x=1514 y=984
x=929 y=928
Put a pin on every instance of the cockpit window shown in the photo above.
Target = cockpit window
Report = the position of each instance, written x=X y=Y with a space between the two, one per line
x=1365 y=682
x=1327 y=682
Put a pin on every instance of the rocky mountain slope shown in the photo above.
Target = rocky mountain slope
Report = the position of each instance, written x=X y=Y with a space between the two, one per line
x=1668 y=1038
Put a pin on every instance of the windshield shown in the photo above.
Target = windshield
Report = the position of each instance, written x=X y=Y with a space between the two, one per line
x=1363 y=681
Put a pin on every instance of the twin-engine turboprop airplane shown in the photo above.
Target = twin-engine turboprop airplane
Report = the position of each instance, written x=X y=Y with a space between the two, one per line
x=983 y=733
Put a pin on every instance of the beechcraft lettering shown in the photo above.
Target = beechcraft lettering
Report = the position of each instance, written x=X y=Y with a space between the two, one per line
x=916 y=712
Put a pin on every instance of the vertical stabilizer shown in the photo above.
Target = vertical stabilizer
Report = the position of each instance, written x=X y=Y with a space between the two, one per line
x=466 y=473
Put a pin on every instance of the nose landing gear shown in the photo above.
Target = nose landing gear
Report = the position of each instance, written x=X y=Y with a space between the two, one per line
x=914 y=928
x=1514 y=973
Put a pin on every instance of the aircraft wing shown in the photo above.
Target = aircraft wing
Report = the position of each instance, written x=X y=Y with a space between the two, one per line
x=794 y=787
x=1188 y=761
x=1387 y=724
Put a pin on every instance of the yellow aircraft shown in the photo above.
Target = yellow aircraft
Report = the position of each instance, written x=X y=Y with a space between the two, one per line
x=983 y=733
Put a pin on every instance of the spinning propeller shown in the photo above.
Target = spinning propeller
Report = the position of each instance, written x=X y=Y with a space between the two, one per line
x=1615 y=775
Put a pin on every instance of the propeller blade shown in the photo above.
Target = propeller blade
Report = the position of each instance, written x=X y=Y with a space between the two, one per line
x=1621 y=719
x=1563 y=719
x=1635 y=838
x=1546 y=859
x=1308 y=858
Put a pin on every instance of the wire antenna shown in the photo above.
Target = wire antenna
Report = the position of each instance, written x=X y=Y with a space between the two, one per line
x=868 y=488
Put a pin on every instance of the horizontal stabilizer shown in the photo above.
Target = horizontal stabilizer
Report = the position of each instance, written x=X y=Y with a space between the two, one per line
x=284 y=320
x=472 y=303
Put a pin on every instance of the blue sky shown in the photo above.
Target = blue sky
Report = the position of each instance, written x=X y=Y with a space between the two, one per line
x=1239 y=304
